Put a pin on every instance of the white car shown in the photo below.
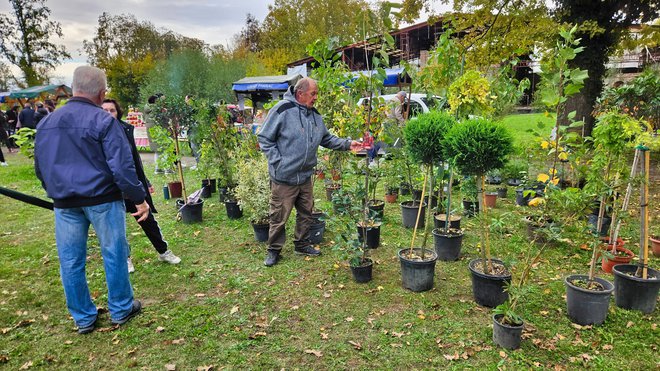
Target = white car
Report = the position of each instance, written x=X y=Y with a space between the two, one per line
x=419 y=103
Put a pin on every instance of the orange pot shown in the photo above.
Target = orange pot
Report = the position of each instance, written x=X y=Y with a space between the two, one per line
x=390 y=199
x=607 y=263
x=655 y=245
x=491 y=200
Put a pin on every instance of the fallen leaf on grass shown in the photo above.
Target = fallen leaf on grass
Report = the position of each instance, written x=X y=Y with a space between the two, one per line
x=349 y=319
x=324 y=336
x=580 y=327
x=317 y=353
x=630 y=324
x=107 y=329
x=4 y=358
x=452 y=357
x=396 y=345
x=503 y=354
x=234 y=310
x=196 y=233
x=258 y=334
x=26 y=365
x=654 y=326
x=160 y=329
x=200 y=295
x=355 y=344
x=608 y=347
x=170 y=367
x=178 y=341
x=206 y=368
x=326 y=295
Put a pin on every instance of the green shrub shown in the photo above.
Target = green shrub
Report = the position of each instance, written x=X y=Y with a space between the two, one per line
x=478 y=146
x=425 y=134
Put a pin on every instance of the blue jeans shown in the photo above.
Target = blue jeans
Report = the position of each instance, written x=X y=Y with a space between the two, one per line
x=71 y=228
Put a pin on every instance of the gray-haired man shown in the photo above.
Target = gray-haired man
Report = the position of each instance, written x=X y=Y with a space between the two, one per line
x=290 y=138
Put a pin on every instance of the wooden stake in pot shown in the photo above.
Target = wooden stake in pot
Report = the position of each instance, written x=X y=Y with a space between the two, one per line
x=642 y=266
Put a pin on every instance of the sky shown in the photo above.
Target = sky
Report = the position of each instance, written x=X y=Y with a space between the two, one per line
x=214 y=21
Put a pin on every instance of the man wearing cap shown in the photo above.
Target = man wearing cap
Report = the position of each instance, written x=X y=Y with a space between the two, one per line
x=396 y=112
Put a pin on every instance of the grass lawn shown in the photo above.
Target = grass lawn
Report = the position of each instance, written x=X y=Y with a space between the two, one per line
x=519 y=124
x=221 y=307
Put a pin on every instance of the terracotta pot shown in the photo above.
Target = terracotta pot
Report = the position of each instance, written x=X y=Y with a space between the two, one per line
x=491 y=200
x=175 y=189
x=320 y=175
x=655 y=245
x=390 y=199
x=607 y=264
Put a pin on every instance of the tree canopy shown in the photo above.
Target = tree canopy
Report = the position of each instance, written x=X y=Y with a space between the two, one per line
x=25 y=41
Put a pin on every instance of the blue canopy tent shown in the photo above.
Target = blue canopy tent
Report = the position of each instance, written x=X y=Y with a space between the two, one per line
x=261 y=89
x=394 y=77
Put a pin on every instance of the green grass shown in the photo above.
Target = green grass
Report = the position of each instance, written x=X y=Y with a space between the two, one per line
x=222 y=307
x=520 y=124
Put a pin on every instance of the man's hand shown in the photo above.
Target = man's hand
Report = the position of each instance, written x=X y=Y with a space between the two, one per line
x=355 y=146
x=151 y=189
x=142 y=211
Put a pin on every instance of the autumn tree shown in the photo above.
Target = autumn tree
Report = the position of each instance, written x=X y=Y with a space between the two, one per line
x=128 y=49
x=601 y=28
x=25 y=40
x=293 y=24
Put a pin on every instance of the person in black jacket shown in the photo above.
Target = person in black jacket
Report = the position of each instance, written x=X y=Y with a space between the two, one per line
x=149 y=225
x=12 y=120
x=40 y=113
x=26 y=117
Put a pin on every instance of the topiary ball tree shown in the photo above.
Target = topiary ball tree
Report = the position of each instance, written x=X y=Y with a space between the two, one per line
x=425 y=137
x=478 y=146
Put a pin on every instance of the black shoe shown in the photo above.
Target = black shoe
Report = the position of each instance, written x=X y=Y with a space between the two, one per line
x=272 y=257
x=135 y=310
x=307 y=250
x=88 y=329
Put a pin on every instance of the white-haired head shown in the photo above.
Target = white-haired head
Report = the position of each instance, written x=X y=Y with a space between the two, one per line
x=89 y=82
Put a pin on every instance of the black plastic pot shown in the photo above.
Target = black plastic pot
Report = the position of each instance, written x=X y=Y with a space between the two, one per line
x=409 y=211
x=316 y=231
x=471 y=208
x=190 y=213
x=487 y=289
x=493 y=180
x=506 y=336
x=373 y=235
x=377 y=208
x=404 y=189
x=364 y=272
x=261 y=231
x=502 y=192
x=521 y=199
x=418 y=276
x=206 y=191
x=439 y=221
x=210 y=183
x=604 y=228
x=330 y=190
x=448 y=246
x=233 y=210
x=514 y=182
x=635 y=293
x=587 y=307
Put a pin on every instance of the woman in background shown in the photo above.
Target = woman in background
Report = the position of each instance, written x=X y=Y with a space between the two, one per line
x=149 y=225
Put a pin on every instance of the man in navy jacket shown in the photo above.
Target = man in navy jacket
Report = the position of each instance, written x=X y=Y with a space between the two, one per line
x=84 y=162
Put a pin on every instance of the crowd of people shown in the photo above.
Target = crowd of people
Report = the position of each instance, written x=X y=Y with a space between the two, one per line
x=28 y=117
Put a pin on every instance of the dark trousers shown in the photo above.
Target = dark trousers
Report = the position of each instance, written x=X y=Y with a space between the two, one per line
x=2 y=156
x=283 y=198
x=152 y=230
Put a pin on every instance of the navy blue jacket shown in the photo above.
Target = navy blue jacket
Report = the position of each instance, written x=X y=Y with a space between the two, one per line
x=83 y=157
x=26 y=117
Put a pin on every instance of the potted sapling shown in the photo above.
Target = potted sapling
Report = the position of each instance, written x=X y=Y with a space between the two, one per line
x=424 y=140
x=253 y=194
x=479 y=146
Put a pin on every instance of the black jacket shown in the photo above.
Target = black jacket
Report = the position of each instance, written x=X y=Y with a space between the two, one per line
x=26 y=117
x=139 y=169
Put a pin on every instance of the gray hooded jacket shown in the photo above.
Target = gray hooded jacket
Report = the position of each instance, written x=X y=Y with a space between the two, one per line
x=290 y=137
